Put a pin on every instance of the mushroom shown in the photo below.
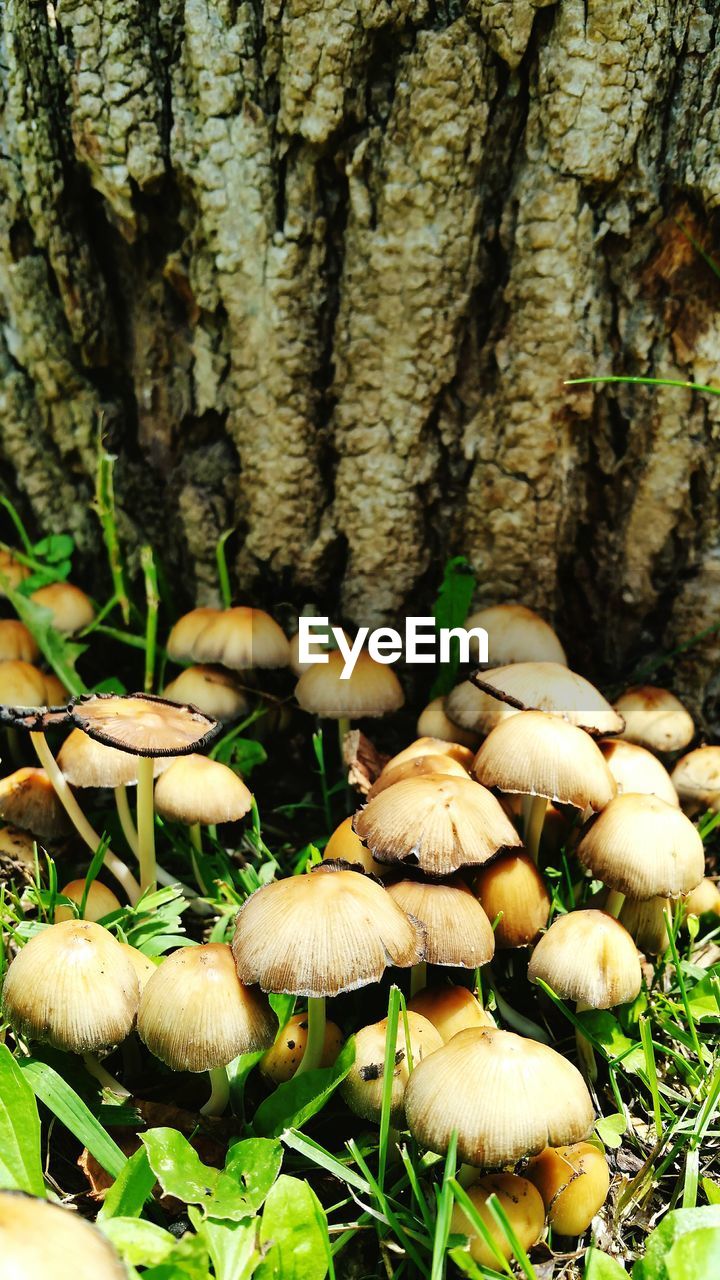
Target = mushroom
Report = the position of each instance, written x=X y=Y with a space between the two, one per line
x=521 y=1203
x=70 y=609
x=645 y=922
x=317 y=646
x=371 y=690
x=458 y=932
x=362 y=1089
x=655 y=718
x=144 y=967
x=318 y=934
x=210 y=689
x=21 y=684
x=345 y=846
x=434 y=722
x=513 y=893
x=200 y=792
x=437 y=823
x=696 y=778
x=550 y=687
x=703 y=900
x=588 y=957
x=283 y=1058
x=573 y=1182
x=476 y=711
x=28 y=800
x=417 y=767
x=39 y=1240
x=242 y=638
x=196 y=1015
x=433 y=747
x=100 y=901
x=518 y=634
x=544 y=758
x=637 y=770
x=12 y=570
x=181 y=641
x=505 y=1096
x=450 y=1009
x=56 y=695
x=17 y=642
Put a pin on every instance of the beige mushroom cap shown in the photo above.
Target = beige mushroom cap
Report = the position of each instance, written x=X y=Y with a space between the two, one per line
x=345 y=846
x=316 y=647
x=637 y=770
x=655 y=718
x=362 y=1089
x=450 y=1009
x=645 y=922
x=21 y=685
x=43 y=1241
x=242 y=638
x=437 y=823
x=512 y=888
x=540 y=755
x=371 y=690
x=73 y=987
x=477 y=712
x=588 y=956
x=434 y=722
x=142 y=724
x=195 y=789
x=506 y=1096
x=696 y=778
x=12 y=571
x=71 y=608
x=644 y=848
x=196 y=1015
x=142 y=964
x=29 y=800
x=323 y=933
x=550 y=687
x=87 y=763
x=17 y=642
x=211 y=689
x=433 y=747
x=458 y=933
x=703 y=899
x=517 y=634
x=417 y=767
x=181 y=641
x=100 y=901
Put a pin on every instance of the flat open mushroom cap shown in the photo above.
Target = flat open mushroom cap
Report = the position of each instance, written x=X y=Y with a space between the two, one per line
x=644 y=848
x=323 y=933
x=655 y=718
x=506 y=1096
x=538 y=754
x=458 y=932
x=550 y=687
x=142 y=724
x=637 y=770
x=29 y=800
x=211 y=689
x=43 y=1241
x=181 y=641
x=371 y=690
x=242 y=638
x=517 y=634
x=696 y=778
x=196 y=1015
x=70 y=608
x=195 y=789
x=437 y=823
x=73 y=987
x=588 y=956
x=87 y=763
x=16 y=642
x=21 y=685
x=416 y=767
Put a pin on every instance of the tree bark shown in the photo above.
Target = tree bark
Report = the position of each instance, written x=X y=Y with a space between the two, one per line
x=320 y=268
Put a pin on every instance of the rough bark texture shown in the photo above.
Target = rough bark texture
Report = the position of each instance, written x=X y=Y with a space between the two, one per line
x=321 y=267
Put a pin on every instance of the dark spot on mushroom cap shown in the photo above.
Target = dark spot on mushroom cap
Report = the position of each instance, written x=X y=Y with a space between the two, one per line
x=291 y=1044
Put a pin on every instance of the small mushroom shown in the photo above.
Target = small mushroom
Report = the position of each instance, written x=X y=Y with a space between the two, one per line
x=573 y=1182
x=70 y=609
x=637 y=770
x=522 y=1205
x=100 y=901
x=696 y=778
x=345 y=846
x=362 y=1089
x=17 y=642
x=518 y=634
x=450 y=1009
x=655 y=718
x=210 y=689
x=434 y=722
x=282 y=1060
x=554 y=689
x=242 y=638
x=512 y=891
x=457 y=930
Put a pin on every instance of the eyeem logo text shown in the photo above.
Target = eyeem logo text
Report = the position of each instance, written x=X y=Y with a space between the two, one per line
x=423 y=643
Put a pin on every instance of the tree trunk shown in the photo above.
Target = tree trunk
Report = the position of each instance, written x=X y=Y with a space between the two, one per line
x=319 y=272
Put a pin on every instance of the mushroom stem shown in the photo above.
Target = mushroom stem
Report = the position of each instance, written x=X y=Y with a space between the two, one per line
x=418 y=978
x=585 y=1051
x=534 y=808
x=115 y=865
x=128 y=826
x=315 y=1035
x=615 y=903
x=146 y=823
x=196 y=853
x=107 y=1081
x=219 y=1093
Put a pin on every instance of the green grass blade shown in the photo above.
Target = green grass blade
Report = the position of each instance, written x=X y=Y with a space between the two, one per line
x=57 y=1095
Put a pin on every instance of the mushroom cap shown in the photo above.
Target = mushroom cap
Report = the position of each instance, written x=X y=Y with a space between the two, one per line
x=39 y=1240
x=29 y=800
x=73 y=987
x=371 y=690
x=88 y=763
x=434 y=722
x=210 y=689
x=317 y=646
x=195 y=1014
x=475 y=711
x=573 y=1182
x=242 y=638
x=18 y=845
x=17 y=642
x=283 y=1058
x=696 y=778
x=644 y=848
x=433 y=747
x=520 y=1201
x=645 y=922
x=517 y=634
x=511 y=887
x=417 y=767
x=345 y=846
x=12 y=571
x=142 y=724
x=100 y=902
x=550 y=687
x=323 y=933
x=588 y=956
x=458 y=932
x=655 y=718
x=71 y=608
x=56 y=695
x=21 y=685
x=181 y=640
x=142 y=964
x=703 y=899
x=195 y=789
x=362 y=1088
x=437 y=823
x=637 y=770
x=506 y=1096
x=450 y=1009
x=540 y=755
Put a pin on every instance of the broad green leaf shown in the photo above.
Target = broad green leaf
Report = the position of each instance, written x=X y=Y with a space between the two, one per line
x=694 y=1255
x=610 y=1129
x=664 y=1239
x=20 y=1161
x=293 y=1103
x=188 y=1261
x=294 y=1236
x=702 y=999
x=232 y=1245
x=254 y=1164
x=600 y=1266
x=181 y=1173
x=130 y=1190
x=712 y=1190
x=142 y=1244
x=64 y=1102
